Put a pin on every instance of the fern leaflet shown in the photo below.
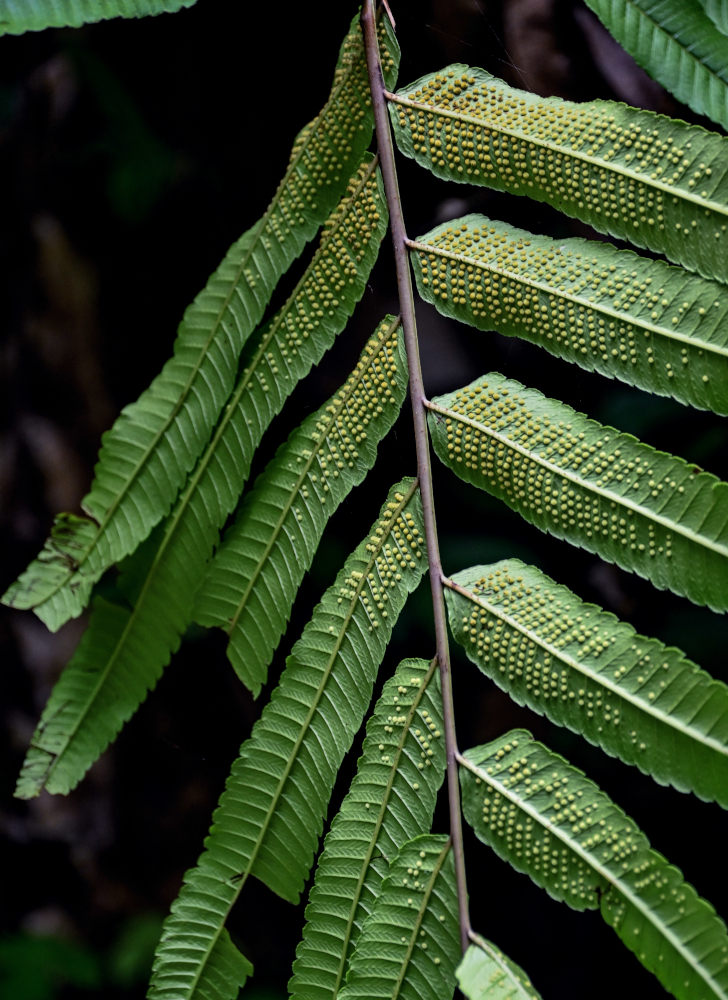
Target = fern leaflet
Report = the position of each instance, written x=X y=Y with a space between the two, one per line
x=652 y=180
x=582 y=668
x=391 y=800
x=485 y=973
x=270 y=815
x=644 y=510
x=548 y=820
x=17 y=16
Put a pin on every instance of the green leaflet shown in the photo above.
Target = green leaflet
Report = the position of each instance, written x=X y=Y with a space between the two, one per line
x=271 y=813
x=679 y=44
x=635 y=506
x=652 y=180
x=124 y=651
x=147 y=455
x=645 y=322
x=581 y=667
x=485 y=973
x=251 y=584
x=717 y=11
x=391 y=800
x=410 y=944
x=17 y=16
x=548 y=820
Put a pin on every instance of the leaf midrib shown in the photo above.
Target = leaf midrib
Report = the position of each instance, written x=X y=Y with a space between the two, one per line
x=541 y=286
x=590 y=861
x=583 y=669
x=584 y=484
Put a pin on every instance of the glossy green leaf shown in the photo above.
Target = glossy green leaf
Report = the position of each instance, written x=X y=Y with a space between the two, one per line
x=485 y=973
x=17 y=16
x=125 y=650
x=147 y=455
x=391 y=800
x=410 y=944
x=654 y=181
x=251 y=584
x=550 y=821
x=271 y=813
x=645 y=322
x=581 y=667
x=679 y=43
x=646 y=511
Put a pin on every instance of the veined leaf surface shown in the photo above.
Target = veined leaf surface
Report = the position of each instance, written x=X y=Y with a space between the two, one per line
x=125 y=650
x=271 y=813
x=485 y=973
x=679 y=44
x=17 y=16
x=717 y=11
x=391 y=800
x=410 y=944
x=640 y=508
x=550 y=821
x=581 y=667
x=251 y=584
x=155 y=442
x=643 y=321
x=654 y=181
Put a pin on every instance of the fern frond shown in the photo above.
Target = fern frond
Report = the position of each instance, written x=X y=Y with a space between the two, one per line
x=679 y=44
x=17 y=16
x=410 y=946
x=391 y=800
x=550 y=821
x=643 y=321
x=717 y=11
x=147 y=455
x=646 y=511
x=125 y=651
x=652 y=180
x=485 y=973
x=581 y=667
x=251 y=584
x=271 y=813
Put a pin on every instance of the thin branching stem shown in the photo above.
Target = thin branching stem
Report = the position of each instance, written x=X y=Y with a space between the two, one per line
x=417 y=393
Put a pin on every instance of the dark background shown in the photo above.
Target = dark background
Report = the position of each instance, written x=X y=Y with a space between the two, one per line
x=132 y=154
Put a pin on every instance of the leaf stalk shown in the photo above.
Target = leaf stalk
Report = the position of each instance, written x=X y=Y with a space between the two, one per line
x=422 y=448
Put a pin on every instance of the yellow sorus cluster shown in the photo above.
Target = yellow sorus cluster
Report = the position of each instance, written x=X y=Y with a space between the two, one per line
x=559 y=472
x=422 y=735
x=551 y=292
x=592 y=826
x=607 y=161
x=324 y=286
x=342 y=427
x=394 y=548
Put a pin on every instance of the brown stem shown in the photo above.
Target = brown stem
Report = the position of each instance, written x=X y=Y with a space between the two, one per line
x=417 y=394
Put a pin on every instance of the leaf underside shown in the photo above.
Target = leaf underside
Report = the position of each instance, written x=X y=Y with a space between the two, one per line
x=679 y=44
x=271 y=813
x=17 y=16
x=581 y=667
x=123 y=653
x=410 y=944
x=643 y=321
x=391 y=800
x=646 y=511
x=148 y=453
x=485 y=973
x=250 y=585
x=548 y=820
x=642 y=177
